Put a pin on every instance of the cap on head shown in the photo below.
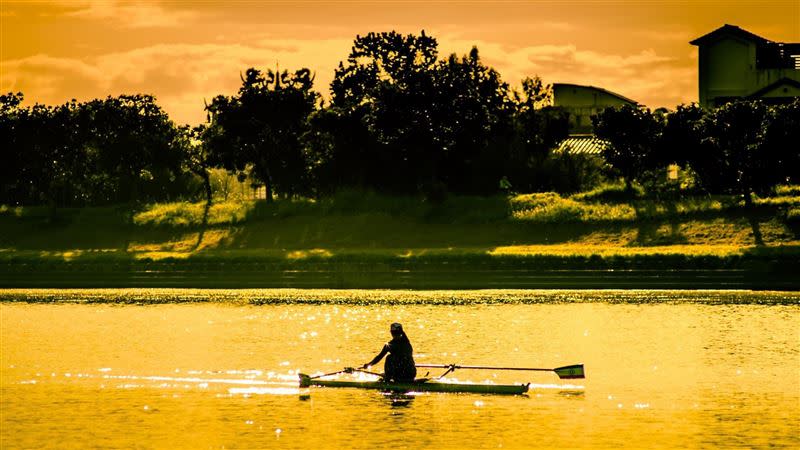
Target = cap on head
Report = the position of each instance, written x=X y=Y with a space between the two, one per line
x=396 y=327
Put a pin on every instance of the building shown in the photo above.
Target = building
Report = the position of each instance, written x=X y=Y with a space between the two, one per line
x=582 y=102
x=737 y=64
x=583 y=144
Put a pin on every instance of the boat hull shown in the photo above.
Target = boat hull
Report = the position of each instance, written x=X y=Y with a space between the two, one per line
x=426 y=386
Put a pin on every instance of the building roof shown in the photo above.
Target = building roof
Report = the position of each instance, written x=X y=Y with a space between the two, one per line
x=730 y=30
x=606 y=91
x=769 y=87
x=586 y=144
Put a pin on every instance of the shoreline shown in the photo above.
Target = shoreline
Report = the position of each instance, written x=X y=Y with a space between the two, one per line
x=593 y=240
x=392 y=297
x=742 y=272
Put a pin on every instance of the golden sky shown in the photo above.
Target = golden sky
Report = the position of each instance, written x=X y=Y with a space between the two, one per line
x=187 y=51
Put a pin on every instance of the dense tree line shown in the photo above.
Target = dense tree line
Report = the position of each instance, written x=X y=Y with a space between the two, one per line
x=400 y=120
x=742 y=148
x=263 y=128
x=112 y=150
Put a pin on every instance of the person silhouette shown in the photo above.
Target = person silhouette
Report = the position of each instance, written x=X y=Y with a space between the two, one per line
x=399 y=366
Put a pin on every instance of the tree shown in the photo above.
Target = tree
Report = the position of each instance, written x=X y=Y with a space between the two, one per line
x=196 y=158
x=684 y=142
x=633 y=134
x=388 y=86
x=262 y=127
x=58 y=147
x=682 y=137
x=419 y=123
x=131 y=144
x=78 y=153
x=472 y=117
x=535 y=94
x=736 y=134
x=537 y=129
x=13 y=188
x=380 y=61
x=341 y=151
x=44 y=160
x=782 y=141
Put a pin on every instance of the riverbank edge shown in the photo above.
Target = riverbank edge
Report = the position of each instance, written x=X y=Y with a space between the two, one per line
x=767 y=270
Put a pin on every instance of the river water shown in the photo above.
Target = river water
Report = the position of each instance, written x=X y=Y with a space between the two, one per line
x=218 y=369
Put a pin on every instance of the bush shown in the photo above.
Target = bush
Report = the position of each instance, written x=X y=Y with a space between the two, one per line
x=550 y=207
x=185 y=214
x=610 y=193
x=793 y=216
x=575 y=173
x=792 y=190
x=15 y=211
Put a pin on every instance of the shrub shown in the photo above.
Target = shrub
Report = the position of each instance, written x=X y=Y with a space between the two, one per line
x=570 y=173
x=611 y=193
x=185 y=214
x=788 y=189
x=550 y=207
x=793 y=216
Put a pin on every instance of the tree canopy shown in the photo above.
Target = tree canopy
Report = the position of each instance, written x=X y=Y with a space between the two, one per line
x=633 y=134
x=262 y=127
x=401 y=119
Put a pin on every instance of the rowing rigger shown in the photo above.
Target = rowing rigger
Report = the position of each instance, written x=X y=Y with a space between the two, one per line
x=429 y=385
x=566 y=372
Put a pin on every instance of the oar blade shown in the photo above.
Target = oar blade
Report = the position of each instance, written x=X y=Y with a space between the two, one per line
x=573 y=371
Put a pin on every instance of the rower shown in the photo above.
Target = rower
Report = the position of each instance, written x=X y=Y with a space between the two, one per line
x=399 y=366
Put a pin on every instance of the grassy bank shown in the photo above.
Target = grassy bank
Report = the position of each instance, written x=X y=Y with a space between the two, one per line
x=367 y=240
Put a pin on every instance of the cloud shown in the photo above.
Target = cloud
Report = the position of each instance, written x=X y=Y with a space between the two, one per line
x=141 y=14
x=645 y=76
x=181 y=76
x=666 y=35
x=488 y=28
x=45 y=78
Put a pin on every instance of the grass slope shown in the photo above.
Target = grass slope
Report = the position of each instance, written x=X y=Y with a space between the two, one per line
x=367 y=240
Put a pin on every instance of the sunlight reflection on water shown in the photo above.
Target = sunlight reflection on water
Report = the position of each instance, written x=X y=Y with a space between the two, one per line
x=225 y=373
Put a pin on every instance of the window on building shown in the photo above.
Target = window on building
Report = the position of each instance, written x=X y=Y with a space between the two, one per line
x=775 y=55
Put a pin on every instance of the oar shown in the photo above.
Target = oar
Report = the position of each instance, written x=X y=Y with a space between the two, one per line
x=346 y=370
x=356 y=369
x=573 y=371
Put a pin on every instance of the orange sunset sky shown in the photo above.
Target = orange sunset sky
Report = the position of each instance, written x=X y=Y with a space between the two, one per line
x=185 y=51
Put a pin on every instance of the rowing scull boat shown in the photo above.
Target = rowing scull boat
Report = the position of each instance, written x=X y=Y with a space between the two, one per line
x=421 y=386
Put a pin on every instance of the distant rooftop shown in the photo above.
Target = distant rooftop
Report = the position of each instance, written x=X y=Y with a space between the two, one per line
x=782 y=82
x=727 y=30
x=613 y=94
x=769 y=54
x=586 y=144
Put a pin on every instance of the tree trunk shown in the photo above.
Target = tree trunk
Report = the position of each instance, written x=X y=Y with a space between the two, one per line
x=207 y=185
x=267 y=179
x=268 y=189
x=751 y=217
x=748 y=200
x=206 y=209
